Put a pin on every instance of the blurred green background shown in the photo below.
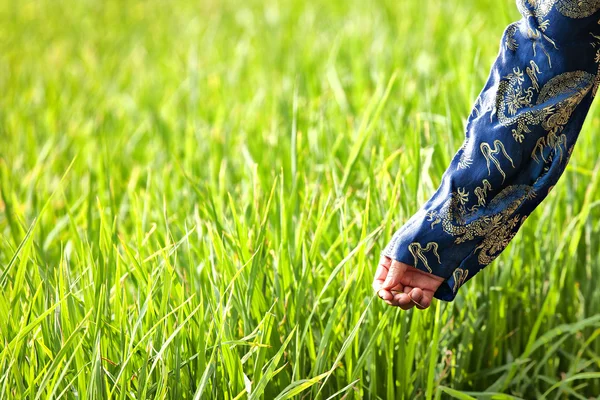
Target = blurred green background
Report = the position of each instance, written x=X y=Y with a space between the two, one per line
x=194 y=195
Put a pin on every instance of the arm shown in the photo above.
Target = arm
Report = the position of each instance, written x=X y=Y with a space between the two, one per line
x=518 y=141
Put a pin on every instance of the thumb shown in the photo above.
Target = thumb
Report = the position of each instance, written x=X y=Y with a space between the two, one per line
x=395 y=274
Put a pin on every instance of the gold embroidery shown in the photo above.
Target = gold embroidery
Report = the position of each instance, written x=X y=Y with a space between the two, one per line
x=489 y=153
x=532 y=72
x=541 y=8
x=460 y=276
x=569 y=8
x=432 y=216
x=555 y=102
x=577 y=8
x=492 y=244
x=465 y=160
x=552 y=141
x=509 y=41
x=493 y=223
x=481 y=192
x=573 y=86
x=463 y=195
x=568 y=83
x=534 y=35
x=418 y=252
x=512 y=96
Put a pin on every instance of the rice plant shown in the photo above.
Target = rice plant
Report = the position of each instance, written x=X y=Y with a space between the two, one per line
x=194 y=195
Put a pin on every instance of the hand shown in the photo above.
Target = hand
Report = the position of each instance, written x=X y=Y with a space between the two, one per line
x=404 y=286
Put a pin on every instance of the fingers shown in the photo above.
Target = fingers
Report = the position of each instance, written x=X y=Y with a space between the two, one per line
x=411 y=297
x=403 y=301
x=416 y=296
x=381 y=272
x=399 y=289
x=394 y=275
x=385 y=295
x=398 y=286
x=400 y=298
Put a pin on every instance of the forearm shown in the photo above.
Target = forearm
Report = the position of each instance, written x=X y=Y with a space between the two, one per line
x=518 y=141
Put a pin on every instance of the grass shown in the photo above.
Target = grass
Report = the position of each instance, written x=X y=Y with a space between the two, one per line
x=193 y=196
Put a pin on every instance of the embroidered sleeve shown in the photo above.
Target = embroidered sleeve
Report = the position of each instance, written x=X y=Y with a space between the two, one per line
x=518 y=141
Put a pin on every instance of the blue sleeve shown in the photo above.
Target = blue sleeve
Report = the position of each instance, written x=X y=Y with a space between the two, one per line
x=518 y=141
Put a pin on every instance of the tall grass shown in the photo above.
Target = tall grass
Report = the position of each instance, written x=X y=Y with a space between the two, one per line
x=194 y=194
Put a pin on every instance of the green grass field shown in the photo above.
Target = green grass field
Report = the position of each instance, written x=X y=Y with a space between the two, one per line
x=194 y=195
